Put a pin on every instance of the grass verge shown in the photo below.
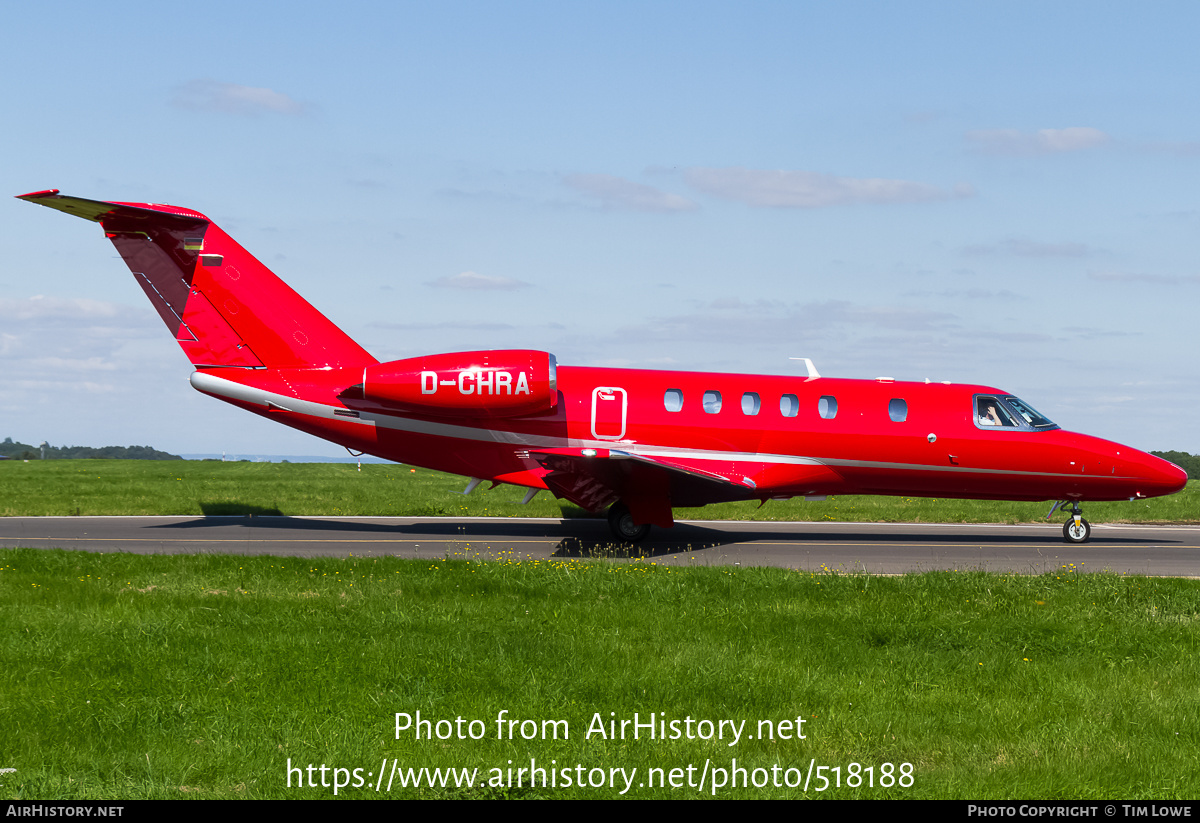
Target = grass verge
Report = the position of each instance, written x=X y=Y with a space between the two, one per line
x=145 y=487
x=130 y=676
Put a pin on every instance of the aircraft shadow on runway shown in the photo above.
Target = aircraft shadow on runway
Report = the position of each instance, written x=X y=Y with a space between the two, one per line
x=589 y=537
x=227 y=509
x=582 y=537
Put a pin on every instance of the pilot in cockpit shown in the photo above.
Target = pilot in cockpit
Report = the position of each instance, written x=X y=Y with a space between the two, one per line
x=987 y=415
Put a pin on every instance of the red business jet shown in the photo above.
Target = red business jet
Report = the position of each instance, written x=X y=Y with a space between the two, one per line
x=637 y=443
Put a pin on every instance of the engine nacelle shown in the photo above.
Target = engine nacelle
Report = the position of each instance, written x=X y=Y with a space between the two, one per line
x=505 y=383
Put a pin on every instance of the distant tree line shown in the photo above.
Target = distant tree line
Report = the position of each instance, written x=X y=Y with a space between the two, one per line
x=24 y=451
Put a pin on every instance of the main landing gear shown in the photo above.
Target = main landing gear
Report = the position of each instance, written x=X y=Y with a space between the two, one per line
x=1077 y=530
x=620 y=521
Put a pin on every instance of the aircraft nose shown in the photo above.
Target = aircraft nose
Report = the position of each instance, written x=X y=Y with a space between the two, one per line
x=1159 y=477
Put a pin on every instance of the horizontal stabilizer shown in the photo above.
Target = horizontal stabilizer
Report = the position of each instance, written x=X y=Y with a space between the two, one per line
x=98 y=210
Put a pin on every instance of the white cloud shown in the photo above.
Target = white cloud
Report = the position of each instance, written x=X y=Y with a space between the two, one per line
x=617 y=192
x=1092 y=333
x=810 y=190
x=1021 y=247
x=472 y=281
x=451 y=325
x=1043 y=141
x=1152 y=279
x=772 y=323
x=231 y=98
x=82 y=364
x=59 y=356
x=40 y=307
x=965 y=294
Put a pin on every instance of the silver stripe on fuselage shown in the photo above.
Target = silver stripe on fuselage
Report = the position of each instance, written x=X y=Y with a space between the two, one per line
x=211 y=384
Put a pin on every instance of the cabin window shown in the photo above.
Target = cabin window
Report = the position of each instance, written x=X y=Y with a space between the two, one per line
x=789 y=405
x=750 y=403
x=673 y=400
x=827 y=407
x=897 y=410
x=712 y=402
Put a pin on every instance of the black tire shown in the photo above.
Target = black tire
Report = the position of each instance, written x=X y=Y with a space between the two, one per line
x=1077 y=534
x=620 y=521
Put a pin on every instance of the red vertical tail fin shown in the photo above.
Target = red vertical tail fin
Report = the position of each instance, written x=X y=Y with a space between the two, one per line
x=225 y=308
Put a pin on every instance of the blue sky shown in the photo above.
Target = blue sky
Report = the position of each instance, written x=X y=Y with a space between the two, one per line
x=987 y=193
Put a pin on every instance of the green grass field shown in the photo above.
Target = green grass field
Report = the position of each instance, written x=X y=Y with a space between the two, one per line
x=202 y=677
x=129 y=676
x=111 y=487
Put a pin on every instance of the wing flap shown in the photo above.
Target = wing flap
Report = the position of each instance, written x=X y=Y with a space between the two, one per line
x=650 y=485
x=594 y=479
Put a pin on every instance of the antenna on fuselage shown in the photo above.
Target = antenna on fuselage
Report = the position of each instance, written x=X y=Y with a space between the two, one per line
x=808 y=364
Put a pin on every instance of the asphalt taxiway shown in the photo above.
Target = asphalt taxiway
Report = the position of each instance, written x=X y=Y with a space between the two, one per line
x=878 y=548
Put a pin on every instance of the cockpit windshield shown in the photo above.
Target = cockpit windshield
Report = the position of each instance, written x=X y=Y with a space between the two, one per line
x=1029 y=414
x=1008 y=412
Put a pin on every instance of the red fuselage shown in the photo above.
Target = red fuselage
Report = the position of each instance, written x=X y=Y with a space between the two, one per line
x=937 y=450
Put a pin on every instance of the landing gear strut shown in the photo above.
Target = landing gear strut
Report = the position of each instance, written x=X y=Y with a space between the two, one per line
x=1077 y=530
x=620 y=521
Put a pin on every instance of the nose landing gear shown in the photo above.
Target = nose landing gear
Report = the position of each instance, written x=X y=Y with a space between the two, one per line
x=1076 y=530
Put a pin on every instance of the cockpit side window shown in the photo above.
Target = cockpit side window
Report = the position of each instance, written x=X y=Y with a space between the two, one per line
x=990 y=412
